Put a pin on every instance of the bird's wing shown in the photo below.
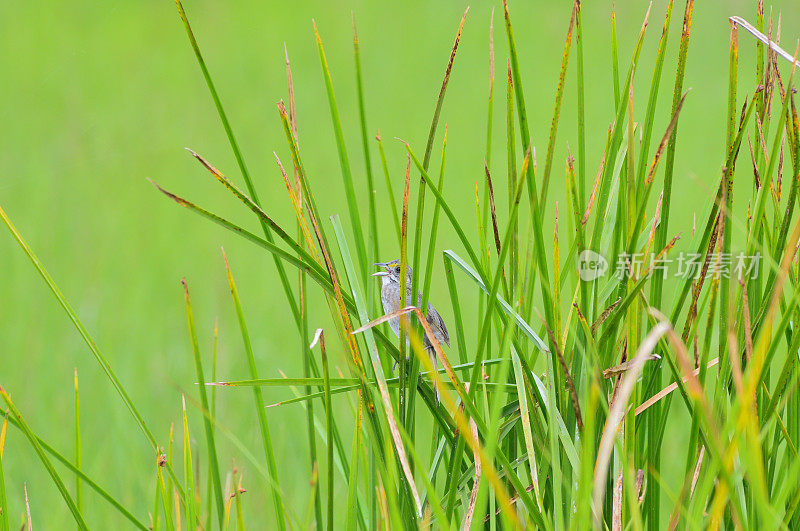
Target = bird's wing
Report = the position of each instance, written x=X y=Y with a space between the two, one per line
x=435 y=319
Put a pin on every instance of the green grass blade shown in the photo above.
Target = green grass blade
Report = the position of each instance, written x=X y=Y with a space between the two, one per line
x=440 y=100
x=252 y=205
x=389 y=188
x=581 y=107
x=507 y=308
x=210 y=441
x=653 y=96
x=258 y=399
x=214 y=352
x=551 y=140
x=489 y=122
x=521 y=109
x=77 y=424
x=84 y=478
x=373 y=217
x=84 y=333
x=319 y=337
x=352 y=481
x=188 y=466
x=615 y=56
x=526 y=423
x=447 y=210
x=312 y=268
x=656 y=288
x=165 y=498
x=344 y=163
x=34 y=442
x=4 y=524
x=236 y=152
x=420 y=210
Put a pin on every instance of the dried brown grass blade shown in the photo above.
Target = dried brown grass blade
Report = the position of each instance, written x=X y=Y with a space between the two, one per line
x=596 y=185
x=616 y=505
x=252 y=205
x=670 y=388
x=756 y=175
x=491 y=207
x=616 y=412
x=476 y=483
x=625 y=366
x=748 y=330
x=656 y=219
x=663 y=144
x=604 y=315
x=293 y=124
x=297 y=203
x=28 y=506
x=763 y=38
x=567 y=377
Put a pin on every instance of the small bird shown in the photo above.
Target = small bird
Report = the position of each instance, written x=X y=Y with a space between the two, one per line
x=390 y=296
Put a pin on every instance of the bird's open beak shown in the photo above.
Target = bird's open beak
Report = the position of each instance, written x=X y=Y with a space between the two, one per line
x=383 y=264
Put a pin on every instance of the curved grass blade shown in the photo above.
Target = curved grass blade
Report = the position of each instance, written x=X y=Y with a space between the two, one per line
x=615 y=416
x=34 y=442
x=507 y=308
x=252 y=205
x=84 y=333
x=314 y=270
x=448 y=212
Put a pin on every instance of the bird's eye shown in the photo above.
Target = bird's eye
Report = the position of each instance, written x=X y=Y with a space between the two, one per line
x=397 y=270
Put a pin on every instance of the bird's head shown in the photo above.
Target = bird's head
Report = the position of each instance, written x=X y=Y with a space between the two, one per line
x=390 y=272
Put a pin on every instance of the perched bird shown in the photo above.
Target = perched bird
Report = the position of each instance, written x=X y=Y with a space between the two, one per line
x=390 y=296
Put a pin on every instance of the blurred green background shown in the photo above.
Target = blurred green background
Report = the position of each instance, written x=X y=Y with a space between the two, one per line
x=94 y=97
